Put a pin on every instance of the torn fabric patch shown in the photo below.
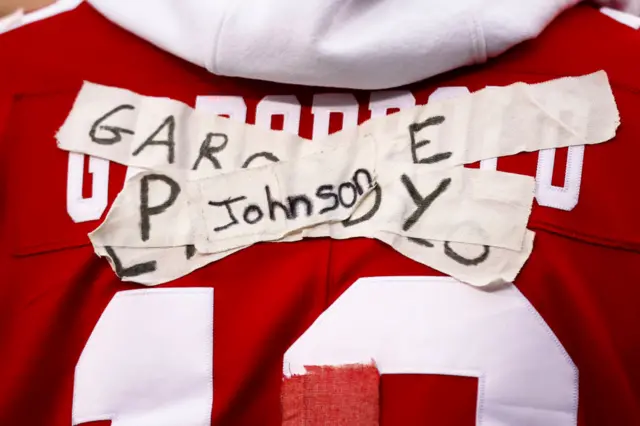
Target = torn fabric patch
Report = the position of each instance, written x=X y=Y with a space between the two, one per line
x=332 y=395
x=210 y=186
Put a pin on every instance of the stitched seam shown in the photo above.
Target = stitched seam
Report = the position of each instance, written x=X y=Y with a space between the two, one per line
x=529 y=306
x=567 y=180
x=480 y=399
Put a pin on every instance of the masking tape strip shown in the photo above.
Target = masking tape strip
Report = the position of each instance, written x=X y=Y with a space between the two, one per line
x=400 y=173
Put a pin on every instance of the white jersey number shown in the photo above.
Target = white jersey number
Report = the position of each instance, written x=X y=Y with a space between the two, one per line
x=85 y=209
x=434 y=325
x=149 y=358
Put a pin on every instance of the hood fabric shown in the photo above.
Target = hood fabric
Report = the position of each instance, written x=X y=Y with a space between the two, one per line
x=360 y=44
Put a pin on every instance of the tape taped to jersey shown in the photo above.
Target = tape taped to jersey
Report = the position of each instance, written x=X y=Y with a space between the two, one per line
x=162 y=134
x=239 y=208
x=391 y=169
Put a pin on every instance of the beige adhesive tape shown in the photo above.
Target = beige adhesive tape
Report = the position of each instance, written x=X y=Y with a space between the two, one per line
x=166 y=135
x=237 y=209
x=467 y=223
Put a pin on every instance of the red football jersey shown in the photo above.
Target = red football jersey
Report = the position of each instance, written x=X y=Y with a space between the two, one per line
x=77 y=345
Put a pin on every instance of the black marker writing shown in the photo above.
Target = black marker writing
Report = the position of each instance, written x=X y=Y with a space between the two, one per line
x=131 y=271
x=207 y=151
x=274 y=204
x=415 y=145
x=290 y=211
x=421 y=242
x=453 y=254
x=421 y=203
x=147 y=211
x=325 y=192
x=350 y=221
x=190 y=251
x=295 y=201
x=227 y=203
x=252 y=208
x=352 y=198
x=294 y=206
x=356 y=182
x=170 y=123
x=269 y=156
x=115 y=131
x=464 y=260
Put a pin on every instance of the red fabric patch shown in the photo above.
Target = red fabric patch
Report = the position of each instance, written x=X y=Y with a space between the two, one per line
x=346 y=395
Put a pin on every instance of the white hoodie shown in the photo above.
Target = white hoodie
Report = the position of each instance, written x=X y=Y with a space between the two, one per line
x=364 y=44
